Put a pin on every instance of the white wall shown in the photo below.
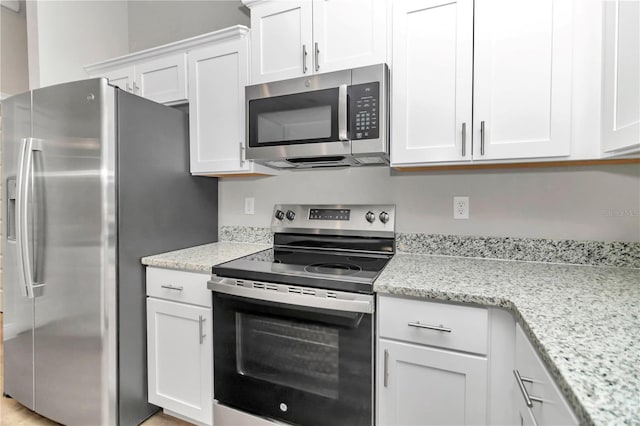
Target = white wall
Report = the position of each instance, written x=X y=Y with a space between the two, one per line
x=64 y=36
x=153 y=23
x=582 y=203
x=13 y=51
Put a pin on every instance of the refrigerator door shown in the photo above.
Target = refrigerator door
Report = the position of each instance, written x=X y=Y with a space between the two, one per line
x=18 y=308
x=74 y=254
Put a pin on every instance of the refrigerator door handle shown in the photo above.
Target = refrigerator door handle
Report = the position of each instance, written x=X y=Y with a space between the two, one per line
x=24 y=189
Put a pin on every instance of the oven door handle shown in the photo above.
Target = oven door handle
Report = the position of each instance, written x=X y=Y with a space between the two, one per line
x=365 y=305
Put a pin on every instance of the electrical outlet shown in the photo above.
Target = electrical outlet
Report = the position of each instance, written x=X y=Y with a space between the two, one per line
x=249 y=205
x=461 y=207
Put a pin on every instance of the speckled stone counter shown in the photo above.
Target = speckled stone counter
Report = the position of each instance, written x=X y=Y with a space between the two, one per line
x=583 y=320
x=202 y=258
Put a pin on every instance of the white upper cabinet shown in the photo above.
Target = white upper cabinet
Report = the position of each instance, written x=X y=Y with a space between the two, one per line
x=621 y=78
x=121 y=77
x=210 y=72
x=281 y=40
x=510 y=62
x=218 y=74
x=349 y=33
x=304 y=37
x=163 y=80
x=522 y=79
x=431 y=81
x=152 y=74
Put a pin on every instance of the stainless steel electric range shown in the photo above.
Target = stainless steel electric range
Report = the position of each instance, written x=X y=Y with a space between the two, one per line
x=294 y=324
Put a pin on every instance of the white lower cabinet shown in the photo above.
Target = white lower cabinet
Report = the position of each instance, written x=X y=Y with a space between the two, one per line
x=426 y=374
x=419 y=385
x=535 y=385
x=451 y=364
x=179 y=344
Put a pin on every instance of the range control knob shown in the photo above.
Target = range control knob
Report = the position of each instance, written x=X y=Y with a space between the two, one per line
x=370 y=216
x=290 y=215
x=279 y=214
x=384 y=217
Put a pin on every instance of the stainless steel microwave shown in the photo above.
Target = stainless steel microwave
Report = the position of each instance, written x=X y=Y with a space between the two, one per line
x=326 y=120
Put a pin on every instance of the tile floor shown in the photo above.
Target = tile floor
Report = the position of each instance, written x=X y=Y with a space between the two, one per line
x=14 y=414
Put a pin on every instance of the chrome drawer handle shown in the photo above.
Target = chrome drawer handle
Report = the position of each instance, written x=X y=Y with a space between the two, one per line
x=172 y=287
x=528 y=399
x=429 y=327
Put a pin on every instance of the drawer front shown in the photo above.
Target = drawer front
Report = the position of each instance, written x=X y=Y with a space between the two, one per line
x=538 y=384
x=179 y=286
x=418 y=321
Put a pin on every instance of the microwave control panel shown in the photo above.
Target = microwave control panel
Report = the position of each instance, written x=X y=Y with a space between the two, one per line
x=364 y=110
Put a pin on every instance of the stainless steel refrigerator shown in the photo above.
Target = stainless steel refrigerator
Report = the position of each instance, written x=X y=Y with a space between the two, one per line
x=94 y=178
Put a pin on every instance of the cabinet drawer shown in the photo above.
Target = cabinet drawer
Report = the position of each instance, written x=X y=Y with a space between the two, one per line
x=180 y=286
x=411 y=320
x=538 y=384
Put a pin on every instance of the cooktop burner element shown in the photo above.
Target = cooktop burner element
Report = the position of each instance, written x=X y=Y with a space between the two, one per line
x=332 y=268
x=334 y=247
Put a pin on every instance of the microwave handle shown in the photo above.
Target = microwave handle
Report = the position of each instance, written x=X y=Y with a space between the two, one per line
x=342 y=113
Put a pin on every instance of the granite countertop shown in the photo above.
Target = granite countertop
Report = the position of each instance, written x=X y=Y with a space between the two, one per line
x=202 y=258
x=583 y=320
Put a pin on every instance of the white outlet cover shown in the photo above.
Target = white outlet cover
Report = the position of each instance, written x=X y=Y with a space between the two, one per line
x=249 y=205
x=461 y=207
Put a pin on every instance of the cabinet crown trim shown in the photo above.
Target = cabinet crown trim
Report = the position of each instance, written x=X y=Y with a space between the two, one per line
x=251 y=3
x=235 y=31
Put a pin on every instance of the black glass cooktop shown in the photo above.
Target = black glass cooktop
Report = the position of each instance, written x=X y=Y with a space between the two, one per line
x=313 y=268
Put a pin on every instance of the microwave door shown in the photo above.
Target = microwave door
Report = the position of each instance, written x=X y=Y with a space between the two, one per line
x=307 y=124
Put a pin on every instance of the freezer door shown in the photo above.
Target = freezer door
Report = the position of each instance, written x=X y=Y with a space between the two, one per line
x=17 y=307
x=75 y=275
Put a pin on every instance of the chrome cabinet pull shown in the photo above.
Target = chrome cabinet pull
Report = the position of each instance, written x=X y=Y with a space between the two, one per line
x=482 y=138
x=201 y=321
x=304 y=59
x=128 y=87
x=136 y=89
x=317 y=54
x=386 y=368
x=429 y=327
x=464 y=139
x=528 y=399
x=241 y=153
x=172 y=287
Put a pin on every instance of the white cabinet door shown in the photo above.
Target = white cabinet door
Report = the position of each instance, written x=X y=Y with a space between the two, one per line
x=121 y=77
x=180 y=358
x=522 y=79
x=218 y=74
x=163 y=80
x=418 y=385
x=349 y=34
x=431 y=81
x=548 y=405
x=621 y=82
x=281 y=41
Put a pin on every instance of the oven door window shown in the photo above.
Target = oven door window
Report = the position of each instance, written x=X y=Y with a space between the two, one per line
x=297 y=364
x=296 y=354
x=292 y=119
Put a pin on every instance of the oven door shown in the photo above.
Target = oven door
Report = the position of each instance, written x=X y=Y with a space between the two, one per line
x=306 y=365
